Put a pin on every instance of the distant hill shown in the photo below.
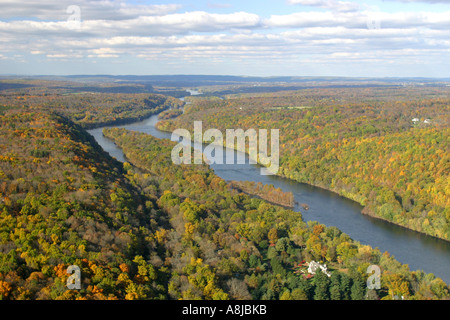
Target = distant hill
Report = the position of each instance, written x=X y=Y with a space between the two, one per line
x=206 y=80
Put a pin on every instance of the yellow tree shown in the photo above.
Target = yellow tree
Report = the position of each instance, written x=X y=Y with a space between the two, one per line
x=397 y=285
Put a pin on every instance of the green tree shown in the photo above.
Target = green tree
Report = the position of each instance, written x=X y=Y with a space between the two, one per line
x=277 y=266
x=358 y=289
x=321 y=283
x=282 y=244
x=191 y=211
x=335 y=288
x=254 y=261
x=345 y=286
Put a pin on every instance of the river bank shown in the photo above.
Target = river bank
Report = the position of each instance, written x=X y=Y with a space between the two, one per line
x=416 y=250
x=343 y=193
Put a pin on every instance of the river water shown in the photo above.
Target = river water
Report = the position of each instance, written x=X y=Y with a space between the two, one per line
x=419 y=251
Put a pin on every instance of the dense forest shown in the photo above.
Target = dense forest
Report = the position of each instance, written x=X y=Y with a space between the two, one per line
x=64 y=202
x=386 y=148
x=93 y=109
x=149 y=229
x=221 y=243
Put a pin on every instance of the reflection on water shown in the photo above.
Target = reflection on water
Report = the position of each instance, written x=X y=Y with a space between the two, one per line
x=417 y=250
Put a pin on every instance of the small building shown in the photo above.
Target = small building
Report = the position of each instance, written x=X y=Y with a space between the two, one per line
x=313 y=266
x=427 y=121
x=415 y=120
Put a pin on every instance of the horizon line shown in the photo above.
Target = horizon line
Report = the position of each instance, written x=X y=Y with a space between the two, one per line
x=227 y=75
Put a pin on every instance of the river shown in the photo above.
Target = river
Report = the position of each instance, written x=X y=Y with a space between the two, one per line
x=419 y=251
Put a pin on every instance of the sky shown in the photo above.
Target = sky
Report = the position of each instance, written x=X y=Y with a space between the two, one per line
x=373 y=38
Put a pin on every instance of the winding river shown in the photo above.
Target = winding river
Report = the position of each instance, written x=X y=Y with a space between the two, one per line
x=419 y=251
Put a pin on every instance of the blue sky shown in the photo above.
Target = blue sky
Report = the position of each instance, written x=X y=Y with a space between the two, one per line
x=389 y=38
x=266 y=8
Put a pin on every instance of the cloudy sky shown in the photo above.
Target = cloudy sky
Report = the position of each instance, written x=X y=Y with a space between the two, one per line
x=239 y=37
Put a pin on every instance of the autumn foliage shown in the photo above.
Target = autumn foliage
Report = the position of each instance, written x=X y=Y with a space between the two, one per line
x=358 y=142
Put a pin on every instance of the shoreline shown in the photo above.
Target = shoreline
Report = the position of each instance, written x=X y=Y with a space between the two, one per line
x=417 y=235
x=120 y=122
x=327 y=189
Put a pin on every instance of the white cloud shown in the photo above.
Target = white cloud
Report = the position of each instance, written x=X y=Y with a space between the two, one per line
x=171 y=24
x=104 y=53
x=334 y=5
x=400 y=20
x=201 y=21
x=55 y=10
x=160 y=33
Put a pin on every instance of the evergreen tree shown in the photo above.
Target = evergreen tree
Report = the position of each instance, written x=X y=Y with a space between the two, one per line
x=322 y=283
x=306 y=287
x=358 y=291
x=335 y=290
x=345 y=285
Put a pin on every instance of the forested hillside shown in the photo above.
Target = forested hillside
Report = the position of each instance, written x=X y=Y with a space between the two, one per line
x=219 y=243
x=150 y=229
x=92 y=109
x=65 y=202
x=384 y=148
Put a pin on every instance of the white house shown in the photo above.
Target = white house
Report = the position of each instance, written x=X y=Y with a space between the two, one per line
x=314 y=265
x=415 y=120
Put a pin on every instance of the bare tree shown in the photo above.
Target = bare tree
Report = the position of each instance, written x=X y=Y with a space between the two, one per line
x=238 y=289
